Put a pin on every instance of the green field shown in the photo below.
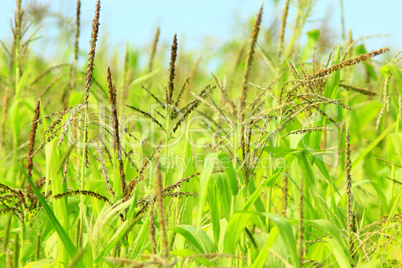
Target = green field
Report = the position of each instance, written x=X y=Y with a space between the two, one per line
x=288 y=155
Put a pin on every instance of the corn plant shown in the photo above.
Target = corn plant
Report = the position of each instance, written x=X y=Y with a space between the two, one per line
x=288 y=155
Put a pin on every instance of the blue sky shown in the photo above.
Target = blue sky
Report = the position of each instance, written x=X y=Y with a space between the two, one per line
x=136 y=20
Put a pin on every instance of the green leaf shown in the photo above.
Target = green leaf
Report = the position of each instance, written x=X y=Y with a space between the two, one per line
x=257 y=192
x=258 y=204
x=270 y=182
x=396 y=73
x=239 y=221
x=145 y=77
x=60 y=205
x=132 y=209
x=214 y=208
x=380 y=194
x=307 y=171
x=234 y=230
x=227 y=166
x=312 y=39
x=141 y=240
x=372 y=264
x=71 y=249
x=21 y=83
x=262 y=256
x=196 y=237
x=397 y=141
x=40 y=264
x=223 y=193
x=286 y=231
x=361 y=49
x=339 y=253
x=189 y=186
x=204 y=179
x=16 y=121
x=209 y=163
x=280 y=151
x=189 y=253
x=121 y=233
x=63 y=158
x=372 y=145
x=337 y=243
x=333 y=81
x=319 y=162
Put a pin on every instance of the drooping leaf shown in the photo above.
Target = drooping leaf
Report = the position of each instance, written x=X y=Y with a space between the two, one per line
x=196 y=237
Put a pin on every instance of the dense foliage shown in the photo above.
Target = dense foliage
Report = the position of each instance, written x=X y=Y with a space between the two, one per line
x=288 y=155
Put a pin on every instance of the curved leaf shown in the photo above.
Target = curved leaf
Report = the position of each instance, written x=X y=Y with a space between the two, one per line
x=196 y=237
x=240 y=219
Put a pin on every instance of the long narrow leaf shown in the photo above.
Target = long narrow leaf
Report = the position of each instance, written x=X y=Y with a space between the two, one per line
x=71 y=249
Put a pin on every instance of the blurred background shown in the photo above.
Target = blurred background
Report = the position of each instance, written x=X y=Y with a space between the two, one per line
x=200 y=24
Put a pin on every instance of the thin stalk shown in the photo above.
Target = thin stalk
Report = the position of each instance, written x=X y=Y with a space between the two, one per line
x=18 y=36
x=17 y=55
x=16 y=251
x=301 y=224
x=244 y=87
x=159 y=199
x=76 y=38
x=78 y=234
x=348 y=167
x=393 y=169
x=173 y=57
x=269 y=205
x=283 y=28
x=31 y=146
x=6 y=237
x=4 y=118
x=127 y=78
x=76 y=50
x=284 y=195
x=91 y=59
x=152 y=54
x=18 y=17
x=193 y=73
x=153 y=51
x=303 y=13
x=115 y=123
x=152 y=227
x=343 y=21
x=37 y=247
x=170 y=89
